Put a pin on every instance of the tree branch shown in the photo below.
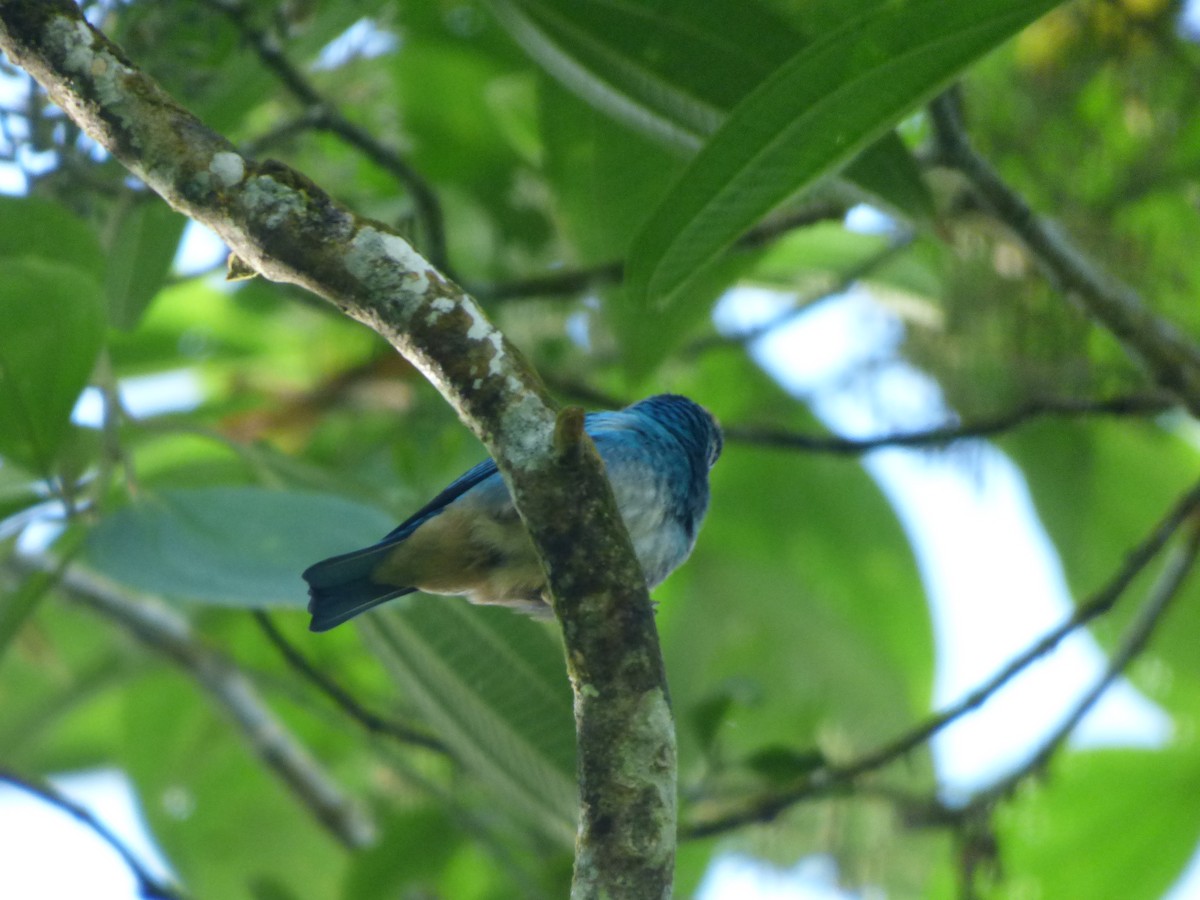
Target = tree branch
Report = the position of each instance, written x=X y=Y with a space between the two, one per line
x=804 y=305
x=342 y=698
x=1178 y=566
x=148 y=886
x=821 y=781
x=169 y=634
x=286 y=228
x=940 y=436
x=576 y=281
x=1172 y=358
x=1129 y=405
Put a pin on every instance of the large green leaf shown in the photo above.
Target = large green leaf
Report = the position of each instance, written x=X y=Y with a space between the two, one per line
x=822 y=107
x=1105 y=825
x=17 y=605
x=141 y=255
x=53 y=328
x=236 y=546
x=32 y=226
x=227 y=825
x=63 y=716
x=673 y=74
x=1099 y=487
x=493 y=686
x=592 y=49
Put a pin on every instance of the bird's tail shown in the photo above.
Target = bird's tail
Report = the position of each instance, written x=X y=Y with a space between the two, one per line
x=341 y=587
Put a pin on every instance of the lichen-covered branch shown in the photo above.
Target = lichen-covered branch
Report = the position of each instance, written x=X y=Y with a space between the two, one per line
x=281 y=225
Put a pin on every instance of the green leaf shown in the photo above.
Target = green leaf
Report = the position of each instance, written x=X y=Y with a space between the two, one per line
x=826 y=104
x=62 y=716
x=816 y=258
x=888 y=172
x=413 y=849
x=1100 y=486
x=601 y=175
x=236 y=546
x=31 y=226
x=592 y=50
x=648 y=335
x=18 y=605
x=225 y=822
x=18 y=491
x=53 y=328
x=139 y=260
x=672 y=75
x=1123 y=807
x=782 y=764
x=492 y=685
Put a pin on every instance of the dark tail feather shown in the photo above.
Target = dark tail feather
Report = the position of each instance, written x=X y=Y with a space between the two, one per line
x=339 y=588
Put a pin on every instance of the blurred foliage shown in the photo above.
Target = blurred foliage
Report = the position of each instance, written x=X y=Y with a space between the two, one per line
x=562 y=141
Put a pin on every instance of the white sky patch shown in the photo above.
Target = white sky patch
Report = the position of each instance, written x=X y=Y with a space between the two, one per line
x=143 y=396
x=12 y=180
x=199 y=251
x=48 y=854
x=735 y=875
x=578 y=328
x=362 y=40
x=866 y=219
x=1189 y=20
x=1188 y=885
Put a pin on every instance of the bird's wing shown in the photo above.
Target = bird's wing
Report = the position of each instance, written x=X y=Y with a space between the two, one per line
x=599 y=425
x=456 y=489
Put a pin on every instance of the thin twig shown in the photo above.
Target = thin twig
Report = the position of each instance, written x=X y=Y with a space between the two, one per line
x=148 y=885
x=1147 y=404
x=169 y=634
x=766 y=807
x=1178 y=566
x=1129 y=405
x=340 y=696
x=1171 y=357
x=321 y=113
x=804 y=305
x=575 y=281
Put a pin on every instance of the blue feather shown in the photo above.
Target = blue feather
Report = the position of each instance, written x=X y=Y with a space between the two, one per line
x=468 y=539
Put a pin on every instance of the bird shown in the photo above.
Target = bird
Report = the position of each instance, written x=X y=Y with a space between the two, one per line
x=469 y=541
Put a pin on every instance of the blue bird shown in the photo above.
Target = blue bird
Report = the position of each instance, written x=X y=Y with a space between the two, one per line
x=469 y=540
